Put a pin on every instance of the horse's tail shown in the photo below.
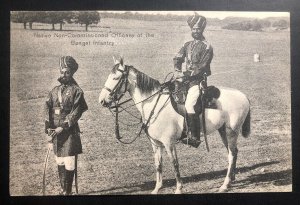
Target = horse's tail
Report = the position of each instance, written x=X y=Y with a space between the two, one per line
x=246 y=128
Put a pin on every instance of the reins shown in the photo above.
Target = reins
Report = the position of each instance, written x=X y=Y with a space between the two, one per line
x=144 y=125
x=118 y=105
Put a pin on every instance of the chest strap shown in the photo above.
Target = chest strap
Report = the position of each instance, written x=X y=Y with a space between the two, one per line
x=60 y=96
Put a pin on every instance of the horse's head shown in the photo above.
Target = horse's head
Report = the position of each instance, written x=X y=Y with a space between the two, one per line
x=116 y=84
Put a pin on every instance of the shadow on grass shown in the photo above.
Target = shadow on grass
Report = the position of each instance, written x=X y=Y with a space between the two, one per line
x=278 y=178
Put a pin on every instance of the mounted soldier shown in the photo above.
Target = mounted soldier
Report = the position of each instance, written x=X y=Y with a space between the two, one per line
x=64 y=107
x=197 y=54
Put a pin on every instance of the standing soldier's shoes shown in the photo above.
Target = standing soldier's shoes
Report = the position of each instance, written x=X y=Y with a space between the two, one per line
x=62 y=178
x=69 y=182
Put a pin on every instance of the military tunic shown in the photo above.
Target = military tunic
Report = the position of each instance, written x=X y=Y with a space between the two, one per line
x=198 y=55
x=64 y=110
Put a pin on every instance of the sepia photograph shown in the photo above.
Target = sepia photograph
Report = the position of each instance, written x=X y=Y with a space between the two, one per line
x=110 y=102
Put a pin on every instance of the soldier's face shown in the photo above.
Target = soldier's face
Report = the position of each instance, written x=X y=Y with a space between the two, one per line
x=196 y=33
x=65 y=75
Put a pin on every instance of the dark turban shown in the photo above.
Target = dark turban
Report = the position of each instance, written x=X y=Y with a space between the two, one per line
x=197 y=21
x=68 y=62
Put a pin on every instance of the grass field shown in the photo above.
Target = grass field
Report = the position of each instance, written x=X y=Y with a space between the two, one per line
x=108 y=167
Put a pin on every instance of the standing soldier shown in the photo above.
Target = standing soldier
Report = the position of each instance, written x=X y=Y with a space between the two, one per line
x=64 y=106
x=198 y=55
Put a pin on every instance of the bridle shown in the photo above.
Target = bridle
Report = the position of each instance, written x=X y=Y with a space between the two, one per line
x=114 y=92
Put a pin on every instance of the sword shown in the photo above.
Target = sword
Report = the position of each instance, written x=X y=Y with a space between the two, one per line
x=45 y=167
x=204 y=87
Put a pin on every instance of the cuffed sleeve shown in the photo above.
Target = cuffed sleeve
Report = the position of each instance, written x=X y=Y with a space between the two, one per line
x=47 y=112
x=47 y=126
x=78 y=108
x=179 y=58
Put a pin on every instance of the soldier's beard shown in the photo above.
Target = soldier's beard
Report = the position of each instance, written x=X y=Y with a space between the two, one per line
x=64 y=80
x=197 y=35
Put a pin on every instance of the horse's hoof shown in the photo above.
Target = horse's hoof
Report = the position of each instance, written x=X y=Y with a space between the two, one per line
x=223 y=189
x=154 y=191
x=178 y=191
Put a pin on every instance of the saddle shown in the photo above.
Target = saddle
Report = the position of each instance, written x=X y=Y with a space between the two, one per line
x=179 y=92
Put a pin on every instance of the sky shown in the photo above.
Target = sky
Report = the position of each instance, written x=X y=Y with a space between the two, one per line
x=218 y=14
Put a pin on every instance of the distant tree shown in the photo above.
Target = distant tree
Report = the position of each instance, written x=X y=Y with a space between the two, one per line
x=24 y=17
x=281 y=24
x=48 y=17
x=245 y=26
x=34 y=16
x=256 y=25
x=58 y=17
x=87 y=18
x=18 y=17
x=264 y=23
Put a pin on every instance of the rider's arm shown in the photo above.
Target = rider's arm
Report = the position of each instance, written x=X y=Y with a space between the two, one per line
x=179 y=58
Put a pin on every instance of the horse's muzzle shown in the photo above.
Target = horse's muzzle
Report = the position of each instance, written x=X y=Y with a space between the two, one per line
x=104 y=104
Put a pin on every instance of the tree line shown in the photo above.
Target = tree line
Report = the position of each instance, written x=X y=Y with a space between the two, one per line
x=144 y=17
x=257 y=25
x=93 y=17
x=55 y=17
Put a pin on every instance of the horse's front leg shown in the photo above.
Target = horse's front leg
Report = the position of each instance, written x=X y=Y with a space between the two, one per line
x=158 y=166
x=171 y=150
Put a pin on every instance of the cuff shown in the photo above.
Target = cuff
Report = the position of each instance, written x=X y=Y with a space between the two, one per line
x=47 y=126
x=65 y=125
x=177 y=68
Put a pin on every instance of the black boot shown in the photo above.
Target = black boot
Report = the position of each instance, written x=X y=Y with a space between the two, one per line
x=193 y=137
x=62 y=178
x=69 y=181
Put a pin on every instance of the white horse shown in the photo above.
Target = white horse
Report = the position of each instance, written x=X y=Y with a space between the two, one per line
x=166 y=125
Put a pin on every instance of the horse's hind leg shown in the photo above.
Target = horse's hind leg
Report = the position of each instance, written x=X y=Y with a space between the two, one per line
x=231 y=137
x=222 y=132
x=158 y=166
x=171 y=150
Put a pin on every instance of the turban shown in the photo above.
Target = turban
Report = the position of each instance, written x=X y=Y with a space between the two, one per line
x=68 y=62
x=197 y=21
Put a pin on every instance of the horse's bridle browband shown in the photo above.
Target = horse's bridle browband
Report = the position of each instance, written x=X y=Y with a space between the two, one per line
x=118 y=86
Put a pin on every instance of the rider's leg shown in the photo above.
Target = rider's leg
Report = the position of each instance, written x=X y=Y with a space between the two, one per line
x=193 y=119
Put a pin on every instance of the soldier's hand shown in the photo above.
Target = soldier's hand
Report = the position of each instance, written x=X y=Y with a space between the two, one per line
x=49 y=134
x=49 y=138
x=178 y=76
x=57 y=131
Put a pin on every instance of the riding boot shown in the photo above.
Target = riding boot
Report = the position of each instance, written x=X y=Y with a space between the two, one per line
x=69 y=182
x=193 y=138
x=62 y=178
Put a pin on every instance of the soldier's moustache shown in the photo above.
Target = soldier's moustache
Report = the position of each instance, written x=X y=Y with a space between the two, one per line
x=196 y=35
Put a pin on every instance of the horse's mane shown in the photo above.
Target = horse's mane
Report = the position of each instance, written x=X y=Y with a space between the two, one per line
x=144 y=82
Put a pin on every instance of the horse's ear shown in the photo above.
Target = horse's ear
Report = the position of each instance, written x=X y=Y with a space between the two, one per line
x=115 y=60
x=121 y=59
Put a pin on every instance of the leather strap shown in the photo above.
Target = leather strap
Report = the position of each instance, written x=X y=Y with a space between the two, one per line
x=60 y=96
